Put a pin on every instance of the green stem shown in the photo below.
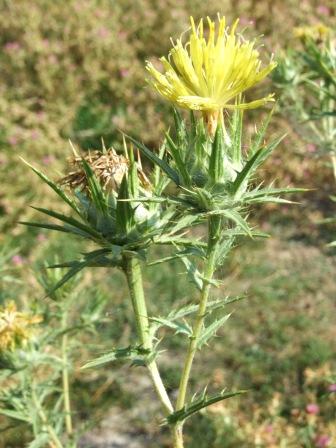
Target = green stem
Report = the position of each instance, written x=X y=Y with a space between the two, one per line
x=65 y=379
x=134 y=278
x=214 y=224
x=52 y=434
x=178 y=436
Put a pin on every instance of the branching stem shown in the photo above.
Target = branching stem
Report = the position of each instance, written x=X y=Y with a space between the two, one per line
x=213 y=237
x=134 y=278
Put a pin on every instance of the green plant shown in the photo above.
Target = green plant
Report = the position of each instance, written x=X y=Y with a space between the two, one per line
x=307 y=79
x=195 y=201
x=201 y=179
x=35 y=381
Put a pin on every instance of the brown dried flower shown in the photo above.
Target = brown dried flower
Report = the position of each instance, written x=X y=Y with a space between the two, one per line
x=108 y=167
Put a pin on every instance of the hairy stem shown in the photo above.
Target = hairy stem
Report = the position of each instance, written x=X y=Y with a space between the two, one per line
x=213 y=236
x=134 y=279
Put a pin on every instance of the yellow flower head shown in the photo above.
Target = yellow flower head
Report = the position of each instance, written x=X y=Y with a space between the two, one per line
x=209 y=74
x=15 y=327
x=318 y=32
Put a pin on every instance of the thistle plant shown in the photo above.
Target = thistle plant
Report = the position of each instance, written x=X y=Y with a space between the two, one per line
x=307 y=79
x=201 y=177
x=37 y=352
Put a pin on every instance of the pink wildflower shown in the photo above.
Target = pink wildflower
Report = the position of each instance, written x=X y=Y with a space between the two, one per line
x=17 y=260
x=310 y=147
x=48 y=159
x=312 y=408
x=12 y=46
x=13 y=140
x=323 y=10
x=322 y=441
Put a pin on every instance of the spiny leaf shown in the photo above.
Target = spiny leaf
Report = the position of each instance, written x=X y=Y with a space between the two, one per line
x=67 y=219
x=258 y=157
x=237 y=131
x=197 y=405
x=178 y=327
x=211 y=306
x=180 y=164
x=55 y=187
x=76 y=267
x=119 y=354
x=216 y=162
x=97 y=194
x=257 y=143
x=15 y=414
x=40 y=441
x=65 y=229
x=124 y=211
x=211 y=330
x=234 y=216
x=193 y=273
x=172 y=174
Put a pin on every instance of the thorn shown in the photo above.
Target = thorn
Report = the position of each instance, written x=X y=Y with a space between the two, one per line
x=139 y=159
x=103 y=144
x=73 y=149
x=125 y=147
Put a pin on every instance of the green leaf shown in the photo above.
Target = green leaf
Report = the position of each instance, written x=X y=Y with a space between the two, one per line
x=76 y=266
x=216 y=162
x=124 y=211
x=180 y=164
x=57 y=189
x=178 y=327
x=236 y=135
x=67 y=219
x=119 y=354
x=265 y=194
x=258 y=157
x=211 y=306
x=172 y=174
x=15 y=414
x=234 y=216
x=65 y=229
x=193 y=273
x=194 y=407
x=40 y=441
x=257 y=143
x=96 y=192
x=211 y=330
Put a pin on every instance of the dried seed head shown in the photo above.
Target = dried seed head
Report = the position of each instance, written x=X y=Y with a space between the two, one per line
x=15 y=327
x=108 y=167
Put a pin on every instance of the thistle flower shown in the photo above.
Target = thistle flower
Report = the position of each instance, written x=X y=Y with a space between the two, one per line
x=208 y=75
x=15 y=327
x=108 y=167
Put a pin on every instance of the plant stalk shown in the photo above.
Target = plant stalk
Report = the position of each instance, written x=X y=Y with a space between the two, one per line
x=52 y=434
x=65 y=381
x=134 y=279
x=178 y=436
x=214 y=224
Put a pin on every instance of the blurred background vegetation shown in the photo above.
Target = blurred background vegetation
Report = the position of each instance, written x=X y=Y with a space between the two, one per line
x=75 y=70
